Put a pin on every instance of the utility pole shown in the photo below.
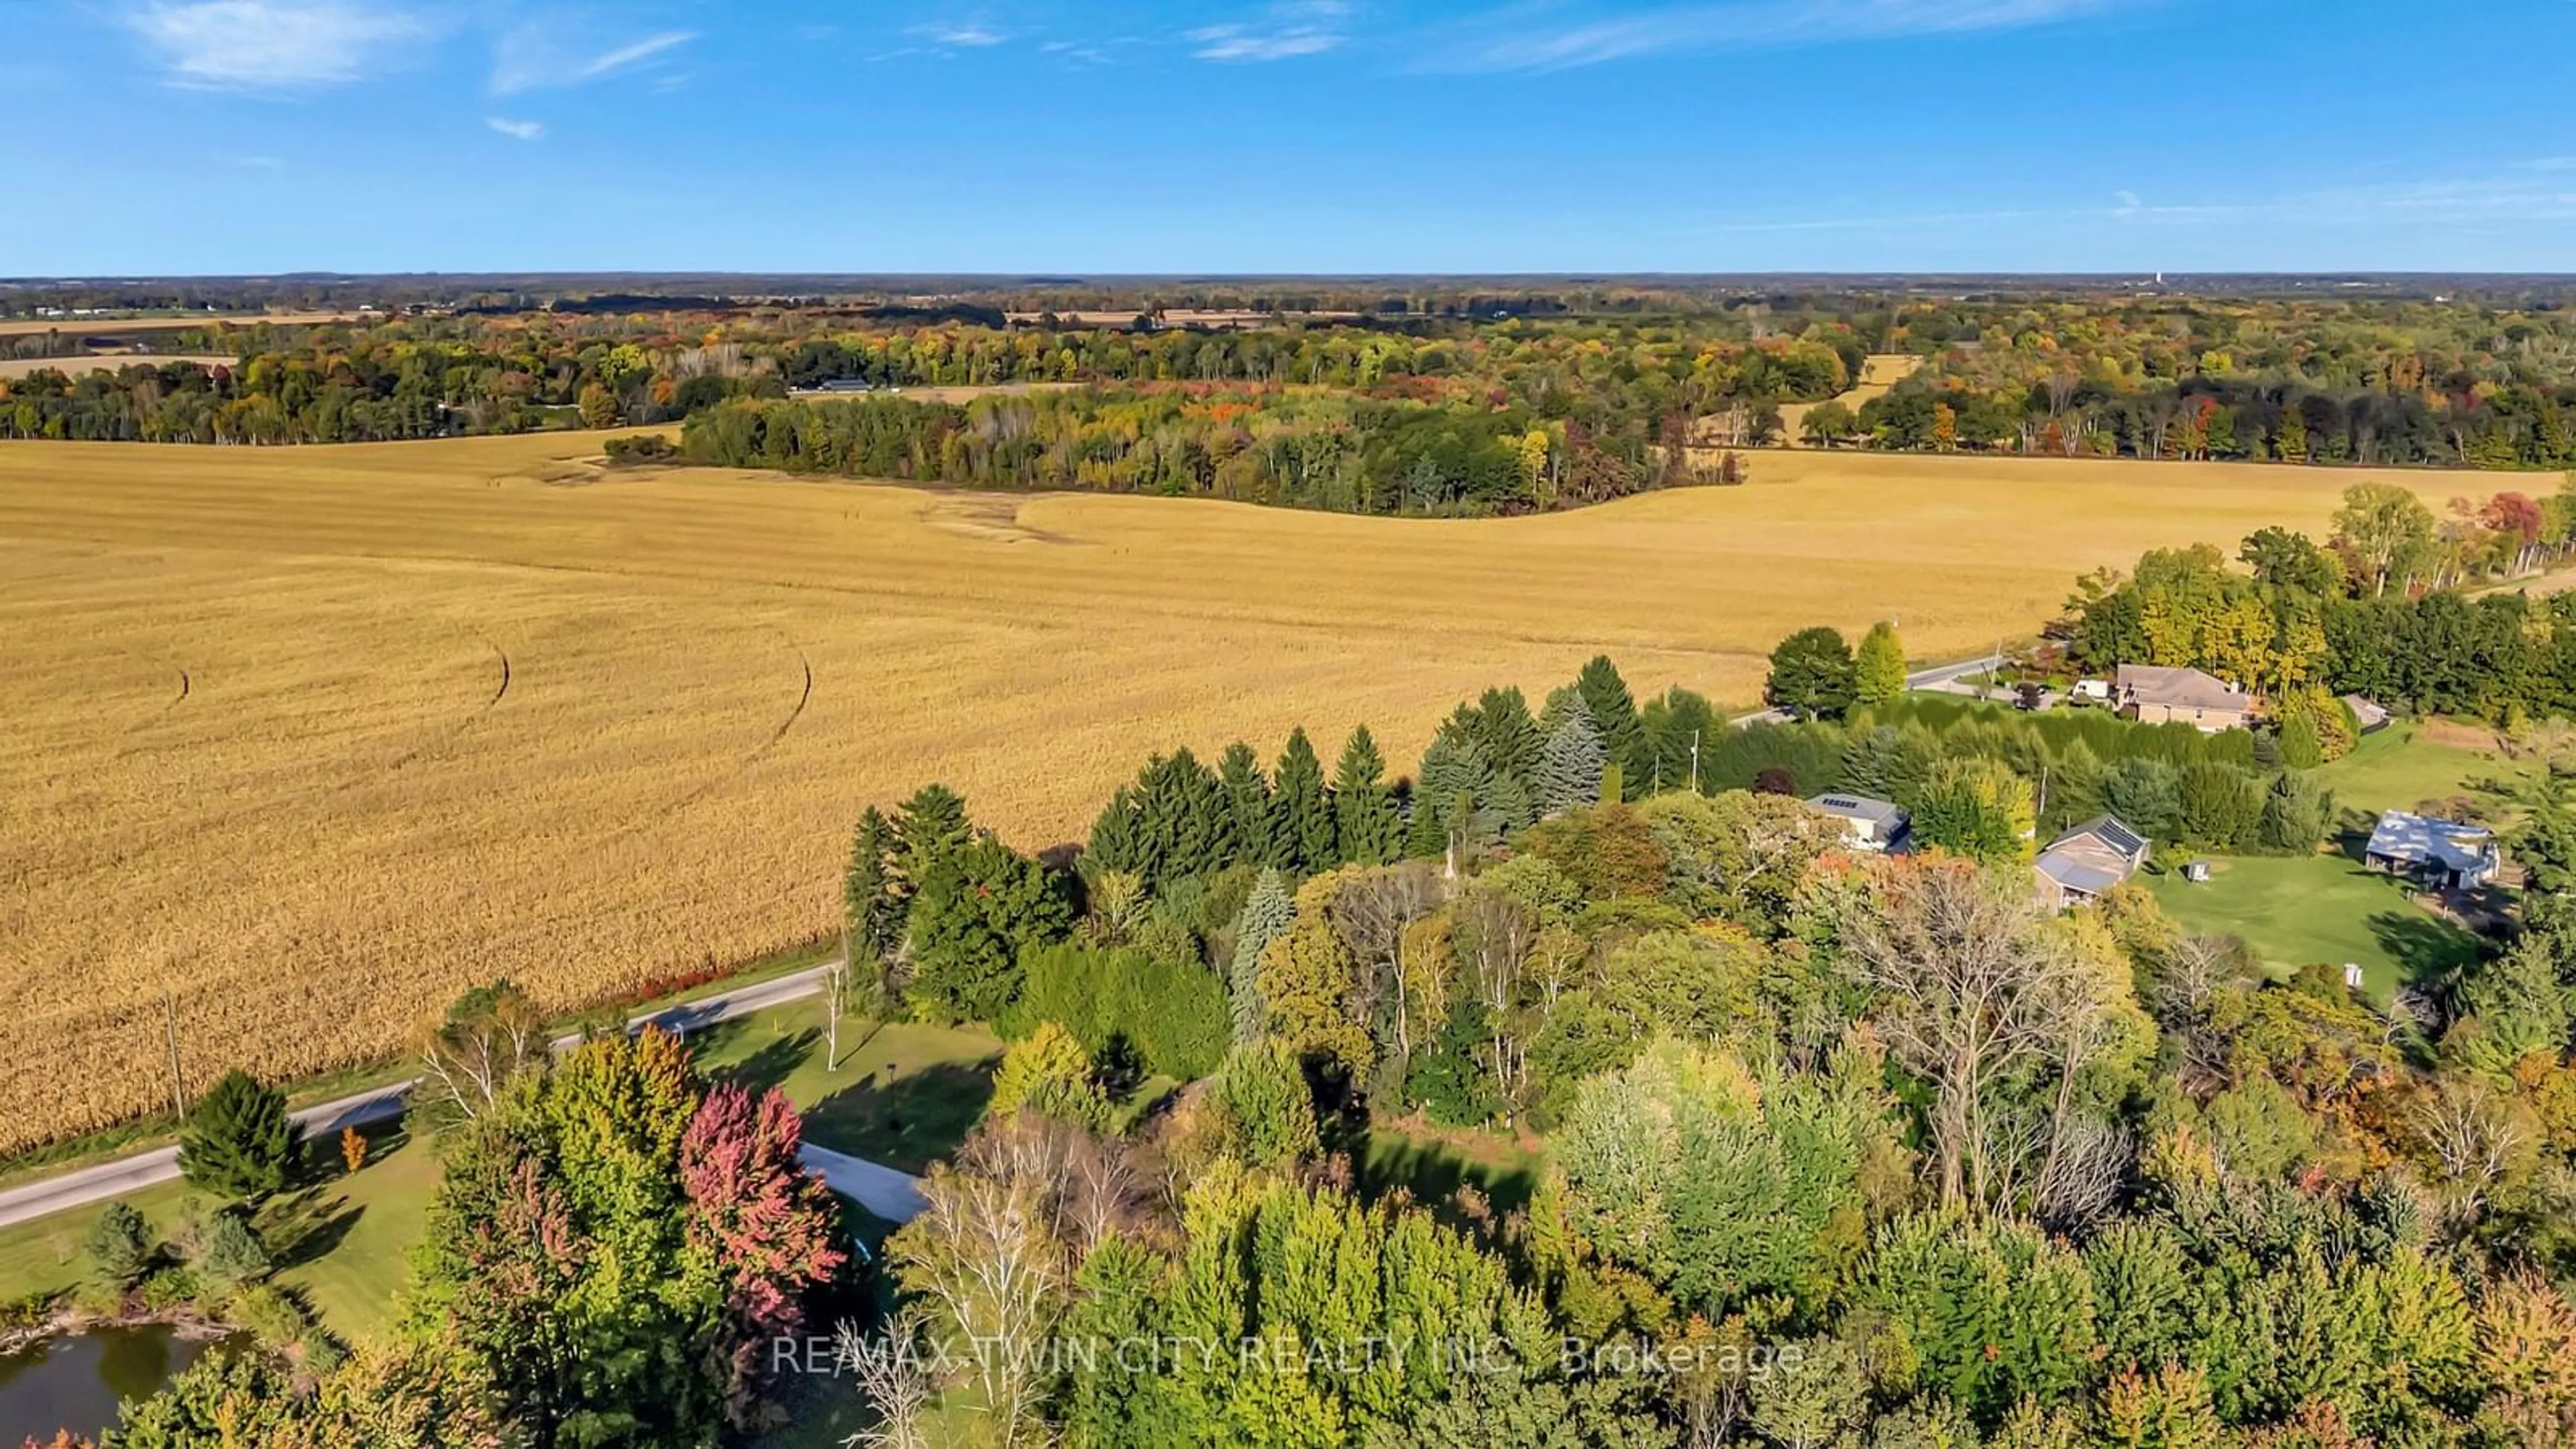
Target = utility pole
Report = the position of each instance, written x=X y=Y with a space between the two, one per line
x=170 y=1023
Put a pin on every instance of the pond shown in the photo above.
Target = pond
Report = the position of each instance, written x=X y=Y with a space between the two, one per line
x=75 y=1381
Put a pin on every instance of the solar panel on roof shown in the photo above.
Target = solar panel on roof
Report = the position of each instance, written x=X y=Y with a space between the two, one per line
x=2120 y=837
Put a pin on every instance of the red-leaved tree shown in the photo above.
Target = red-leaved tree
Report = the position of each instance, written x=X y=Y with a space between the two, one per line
x=772 y=1227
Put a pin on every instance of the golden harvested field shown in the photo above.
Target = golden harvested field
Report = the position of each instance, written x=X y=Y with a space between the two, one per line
x=166 y=322
x=1879 y=372
x=317 y=736
x=92 y=362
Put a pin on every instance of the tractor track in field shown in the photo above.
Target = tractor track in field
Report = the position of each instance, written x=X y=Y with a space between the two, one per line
x=804 y=697
x=499 y=693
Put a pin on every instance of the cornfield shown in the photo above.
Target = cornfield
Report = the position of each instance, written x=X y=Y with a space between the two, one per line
x=313 y=738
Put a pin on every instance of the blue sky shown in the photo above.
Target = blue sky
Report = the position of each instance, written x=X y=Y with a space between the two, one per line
x=219 y=136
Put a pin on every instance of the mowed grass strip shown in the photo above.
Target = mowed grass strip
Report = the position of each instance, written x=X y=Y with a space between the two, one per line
x=313 y=738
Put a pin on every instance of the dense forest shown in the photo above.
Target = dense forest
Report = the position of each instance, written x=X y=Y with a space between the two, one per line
x=1305 y=449
x=2411 y=380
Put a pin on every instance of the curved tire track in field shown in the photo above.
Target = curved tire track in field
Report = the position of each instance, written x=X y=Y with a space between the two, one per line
x=795 y=712
x=501 y=692
x=804 y=697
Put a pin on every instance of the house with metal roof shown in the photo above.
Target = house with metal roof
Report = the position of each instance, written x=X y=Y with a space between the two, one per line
x=2078 y=866
x=2153 y=694
x=2443 y=854
x=1878 y=826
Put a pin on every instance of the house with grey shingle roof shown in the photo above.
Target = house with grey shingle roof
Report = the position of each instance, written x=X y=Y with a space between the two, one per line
x=2080 y=865
x=1871 y=825
x=2153 y=694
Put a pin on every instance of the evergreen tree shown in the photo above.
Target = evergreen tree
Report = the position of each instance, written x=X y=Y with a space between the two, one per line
x=233 y=1252
x=873 y=896
x=1247 y=803
x=1267 y=915
x=239 y=1142
x=1510 y=738
x=1614 y=714
x=1302 y=830
x=1869 y=762
x=1453 y=799
x=1811 y=675
x=931 y=824
x=1117 y=841
x=2074 y=788
x=1674 y=724
x=1368 y=827
x=1184 y=824
x=975 y=911
x=118 y=1246
x=1878 y=667
x=2299 y=746
x=1570 y=771
x=2296 y=814
x=1919 y=753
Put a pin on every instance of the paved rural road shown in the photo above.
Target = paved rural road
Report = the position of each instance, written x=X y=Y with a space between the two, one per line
x=1940 y=676
x=881 y=1190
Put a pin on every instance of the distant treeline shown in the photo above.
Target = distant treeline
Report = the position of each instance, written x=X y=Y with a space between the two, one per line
x=1302 y=449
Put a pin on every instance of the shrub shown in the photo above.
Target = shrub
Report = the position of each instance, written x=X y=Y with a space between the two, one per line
x=119 y=1246
x=269 y=1315
x=233 y=1252
x=172 y=1288
x=1268 y=1109
x=1050 y=1074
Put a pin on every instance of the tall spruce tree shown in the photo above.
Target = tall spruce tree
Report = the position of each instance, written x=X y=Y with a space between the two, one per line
x=1569 y=773
x=1247 y=802
x=239 y=1142
x=873 y=902
x=1453 y=799
x=1511 y=741
x=1368 y=824
x=1302 y=836
x=1878 y=667
x=1267 y=914
x=932 y=824
x=1614 y=714
x=1183 y=823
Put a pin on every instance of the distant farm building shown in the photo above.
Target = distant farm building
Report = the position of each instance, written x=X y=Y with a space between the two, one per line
x=1877 y=826
x=2444 y=854
x=2152 y=694
x=2080 y=865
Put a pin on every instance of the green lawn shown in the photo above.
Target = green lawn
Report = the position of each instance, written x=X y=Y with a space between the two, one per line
x=2323 y=908
x=904 y=1095
x=1432 y=1166
x=343 y=1242
x=2396 y=770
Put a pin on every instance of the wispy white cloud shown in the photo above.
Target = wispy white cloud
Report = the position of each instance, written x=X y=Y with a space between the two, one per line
x=274 y=44
x=531 y=58
x=971 y=35
x=260 y=163
x=1553 y=37
x=1288 y=30
x=516 y=130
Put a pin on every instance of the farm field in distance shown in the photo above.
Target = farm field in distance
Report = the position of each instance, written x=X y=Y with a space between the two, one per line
x=314 y=737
